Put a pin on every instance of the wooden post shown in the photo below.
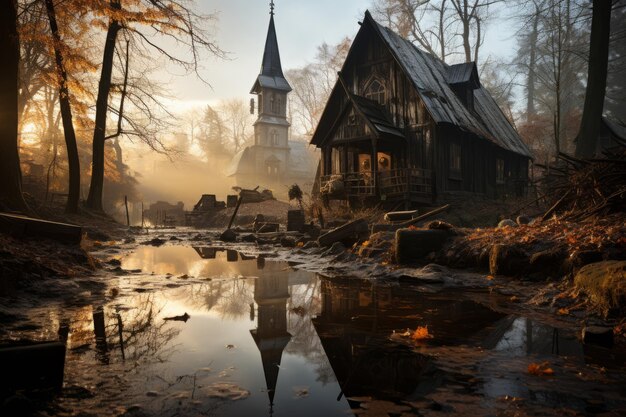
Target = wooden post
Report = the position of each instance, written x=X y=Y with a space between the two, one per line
x=127 y=216
x=232 y=218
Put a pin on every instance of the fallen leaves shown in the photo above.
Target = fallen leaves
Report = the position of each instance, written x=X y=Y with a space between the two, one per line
x=540 y=369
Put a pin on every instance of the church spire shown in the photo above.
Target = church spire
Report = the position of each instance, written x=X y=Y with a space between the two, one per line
x=271 y=75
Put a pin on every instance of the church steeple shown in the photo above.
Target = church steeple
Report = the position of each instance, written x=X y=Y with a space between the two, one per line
x=271 y=75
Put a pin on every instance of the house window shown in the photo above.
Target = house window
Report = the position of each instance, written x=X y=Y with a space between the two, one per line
x=455 y=161
x=376 y=91
x=499 y=171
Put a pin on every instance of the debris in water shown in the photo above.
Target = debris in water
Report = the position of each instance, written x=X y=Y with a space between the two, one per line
x=540 y=369
x=184 y=318
x=421 y=333
x=227 y=391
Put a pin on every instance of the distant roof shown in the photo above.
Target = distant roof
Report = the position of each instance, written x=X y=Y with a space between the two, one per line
x=242 y=163
x=271 y=75
x=431 y=77
x=302 y=157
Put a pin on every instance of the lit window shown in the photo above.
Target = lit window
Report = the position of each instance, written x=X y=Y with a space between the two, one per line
x=376 y=92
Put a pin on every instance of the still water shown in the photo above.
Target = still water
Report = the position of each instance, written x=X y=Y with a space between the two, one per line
x=211 y=332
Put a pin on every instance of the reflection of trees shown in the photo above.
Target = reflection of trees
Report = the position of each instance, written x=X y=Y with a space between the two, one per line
x=143 y=336
x=230 y=298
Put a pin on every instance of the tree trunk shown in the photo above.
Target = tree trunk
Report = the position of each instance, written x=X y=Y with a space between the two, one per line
x=587 y=138
x=66 y=115
x=532 y=64
x=94 y=200
x=10 y=172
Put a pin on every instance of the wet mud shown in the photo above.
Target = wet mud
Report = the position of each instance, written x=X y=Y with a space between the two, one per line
x=191 y=327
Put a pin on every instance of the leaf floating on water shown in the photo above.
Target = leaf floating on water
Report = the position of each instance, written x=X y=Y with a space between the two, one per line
x=540 y=369
x=421 y=333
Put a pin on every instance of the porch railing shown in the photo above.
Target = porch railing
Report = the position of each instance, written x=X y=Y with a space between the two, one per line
x=412 y=183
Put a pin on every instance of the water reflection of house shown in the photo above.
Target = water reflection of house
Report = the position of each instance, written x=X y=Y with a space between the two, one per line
x=271 y=294
x=357 y=319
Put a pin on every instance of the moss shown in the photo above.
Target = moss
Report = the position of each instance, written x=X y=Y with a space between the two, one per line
x=604 y=283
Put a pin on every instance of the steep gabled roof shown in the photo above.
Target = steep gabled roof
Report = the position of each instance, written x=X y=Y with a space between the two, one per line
x=431 y=79
x=271 y=75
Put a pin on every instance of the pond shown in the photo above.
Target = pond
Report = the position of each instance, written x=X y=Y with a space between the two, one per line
x=213 y=332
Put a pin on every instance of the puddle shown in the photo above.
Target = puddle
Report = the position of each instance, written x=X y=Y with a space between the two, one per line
x=260 y=338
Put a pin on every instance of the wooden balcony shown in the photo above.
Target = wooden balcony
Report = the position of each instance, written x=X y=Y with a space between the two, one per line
x=412 y=184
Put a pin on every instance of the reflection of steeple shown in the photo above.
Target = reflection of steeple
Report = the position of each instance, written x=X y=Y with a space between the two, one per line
x=271 y=336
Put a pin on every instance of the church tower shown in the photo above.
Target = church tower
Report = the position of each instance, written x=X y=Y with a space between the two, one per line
x=271 y=129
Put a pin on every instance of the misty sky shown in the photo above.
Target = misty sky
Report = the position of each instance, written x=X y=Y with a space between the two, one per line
x=301 y=26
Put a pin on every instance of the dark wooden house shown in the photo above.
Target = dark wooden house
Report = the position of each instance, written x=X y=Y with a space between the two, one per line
x=401 y=125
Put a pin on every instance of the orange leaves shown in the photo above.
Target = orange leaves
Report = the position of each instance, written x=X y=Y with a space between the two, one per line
x=562 y=312
x=421 y=333
x=540 y=369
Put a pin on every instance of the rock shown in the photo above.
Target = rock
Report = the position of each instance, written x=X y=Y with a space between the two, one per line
x=311 y=244
x=248 y=238
x=598 y=335
x=155 y=242
x=95 y=234
x=335 y=249
x=114 y=262
x=287 y=242
x=548 y=262
x=414 y=245
x=578 y=259
x=506 y=223
x=604 y=283
x=312 y=230
x=228 y=235
x=129 y=240
x=439 y=225
x=174 y=238
x=522 y=220
x=507 y=260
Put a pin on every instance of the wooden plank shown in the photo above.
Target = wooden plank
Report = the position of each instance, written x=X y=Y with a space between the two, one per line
x=396 y=216
x=355 y=228
x=22 y=226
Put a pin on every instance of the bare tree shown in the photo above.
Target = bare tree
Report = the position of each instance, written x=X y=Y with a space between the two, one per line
x=313 y=83
x=145 y=23
x=10 y=172
x=66 y=113
x=596 y=81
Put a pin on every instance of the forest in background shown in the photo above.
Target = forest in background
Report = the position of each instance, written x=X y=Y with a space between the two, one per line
x=88 y=97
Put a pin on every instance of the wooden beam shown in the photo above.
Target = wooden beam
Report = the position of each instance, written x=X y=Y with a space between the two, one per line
x=22 y=226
